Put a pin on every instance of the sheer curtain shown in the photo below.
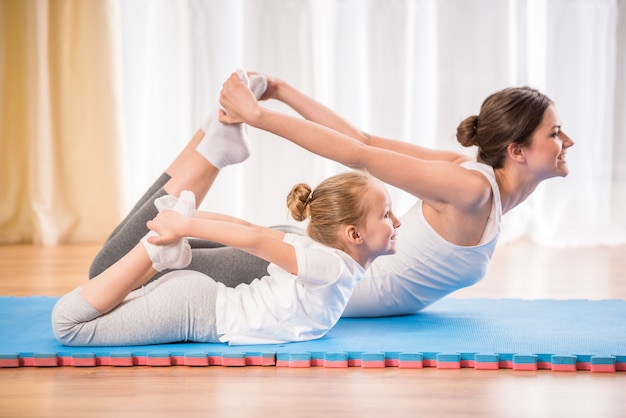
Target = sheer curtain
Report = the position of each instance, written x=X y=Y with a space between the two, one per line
x=406 y=69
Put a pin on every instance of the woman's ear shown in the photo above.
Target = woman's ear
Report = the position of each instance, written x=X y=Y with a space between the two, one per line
x=516 y=152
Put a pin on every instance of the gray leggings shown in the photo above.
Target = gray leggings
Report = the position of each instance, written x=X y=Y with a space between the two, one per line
x=177 y=307
x=224 y=264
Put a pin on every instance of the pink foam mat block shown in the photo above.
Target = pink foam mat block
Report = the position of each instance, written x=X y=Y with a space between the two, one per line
x=122 y=361
x=372 y=360
x=604 y=364
x=65 y=361
x=525 y=362
x=392 y=359
x=215 y=359
x=83 y=361
x=333 y=360
x=8 y=360
x=410 y=360
x=140 y=360
x=234 y=359
x=563 y=368
x=336 y=364
x=103 y=361
x=45 y=360
x=177 y=360
x=260 y=359
x=354 y=358
x=486 y=365
x=602 y=368
x=196 y=362
x=159 y=361
x=448 y=361
x=525 y=366
x=374 y=364
x=408 y=364
x=296 y=360
x=448 y=365
x=196 y=359
x=429 y=358
x=299 y=363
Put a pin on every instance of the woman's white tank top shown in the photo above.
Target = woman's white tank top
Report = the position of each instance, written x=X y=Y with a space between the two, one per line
x=425 y=267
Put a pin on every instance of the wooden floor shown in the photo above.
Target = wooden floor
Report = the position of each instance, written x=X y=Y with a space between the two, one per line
x=519 y=270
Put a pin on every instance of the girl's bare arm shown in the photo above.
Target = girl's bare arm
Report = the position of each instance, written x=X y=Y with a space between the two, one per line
x=260 y=241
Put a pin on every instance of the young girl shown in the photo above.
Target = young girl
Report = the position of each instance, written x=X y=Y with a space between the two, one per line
x=308 y=284
x=451 y=231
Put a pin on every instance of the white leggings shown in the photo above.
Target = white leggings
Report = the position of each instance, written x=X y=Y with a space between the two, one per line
x=176 y=307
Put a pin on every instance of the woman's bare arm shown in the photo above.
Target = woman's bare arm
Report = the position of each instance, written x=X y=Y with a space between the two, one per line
x=435 y=181
x=316 y=112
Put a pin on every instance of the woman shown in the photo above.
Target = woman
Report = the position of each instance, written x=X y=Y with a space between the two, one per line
x=308 y=284
x=451 y=231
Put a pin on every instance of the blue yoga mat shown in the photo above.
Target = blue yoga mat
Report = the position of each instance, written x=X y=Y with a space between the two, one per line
x=480 y=333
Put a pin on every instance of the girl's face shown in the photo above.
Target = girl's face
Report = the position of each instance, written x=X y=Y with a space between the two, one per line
x=379 y=228
x=546 y=154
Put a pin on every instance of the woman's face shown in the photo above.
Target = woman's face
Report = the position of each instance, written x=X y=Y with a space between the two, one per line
x=546 y=154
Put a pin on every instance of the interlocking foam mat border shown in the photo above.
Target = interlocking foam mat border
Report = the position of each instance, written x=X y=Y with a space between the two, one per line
x=487 y=334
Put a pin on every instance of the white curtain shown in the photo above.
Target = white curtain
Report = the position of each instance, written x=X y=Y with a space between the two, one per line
x=407 y=69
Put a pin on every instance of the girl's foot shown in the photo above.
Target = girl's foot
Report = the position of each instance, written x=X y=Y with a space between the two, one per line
x=178 y=254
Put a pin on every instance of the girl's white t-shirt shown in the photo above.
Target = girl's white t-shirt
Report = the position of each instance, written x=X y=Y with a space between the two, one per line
x=282 y=307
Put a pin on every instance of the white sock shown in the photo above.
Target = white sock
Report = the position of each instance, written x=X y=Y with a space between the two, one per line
x=258 y=84
x=223 y=144
x=178 y=254
x=185 y=204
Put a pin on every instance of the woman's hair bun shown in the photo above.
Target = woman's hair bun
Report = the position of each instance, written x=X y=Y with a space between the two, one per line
x=466 y=132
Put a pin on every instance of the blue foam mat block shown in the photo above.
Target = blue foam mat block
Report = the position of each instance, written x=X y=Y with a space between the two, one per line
x=553 y=327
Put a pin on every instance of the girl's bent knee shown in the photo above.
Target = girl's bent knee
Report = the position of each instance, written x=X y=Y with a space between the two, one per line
x=69 y=315
x=61 y=325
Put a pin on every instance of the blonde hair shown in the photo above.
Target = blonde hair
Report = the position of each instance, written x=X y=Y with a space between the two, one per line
x=335 y=202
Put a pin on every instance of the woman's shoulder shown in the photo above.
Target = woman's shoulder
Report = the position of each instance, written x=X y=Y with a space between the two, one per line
x=477 y=165
x=485 y=174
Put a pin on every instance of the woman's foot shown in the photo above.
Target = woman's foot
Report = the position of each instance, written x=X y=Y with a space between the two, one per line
x=223 y=144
